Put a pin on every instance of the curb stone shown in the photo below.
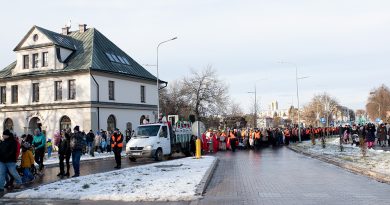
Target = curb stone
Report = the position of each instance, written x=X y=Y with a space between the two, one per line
x=201 y=187
x=383 y=178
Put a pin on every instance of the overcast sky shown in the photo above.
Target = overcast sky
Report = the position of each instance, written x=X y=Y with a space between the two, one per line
x=343 y=45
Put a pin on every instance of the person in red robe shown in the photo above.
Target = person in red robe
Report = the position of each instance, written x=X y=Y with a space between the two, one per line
x=215 y=141
x=205 y=145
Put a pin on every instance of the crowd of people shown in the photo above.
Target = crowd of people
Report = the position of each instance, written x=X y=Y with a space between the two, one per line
x=32 y=149
x=249 y=138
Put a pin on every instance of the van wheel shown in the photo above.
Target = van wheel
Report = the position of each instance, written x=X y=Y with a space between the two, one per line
x=132 y=159
x=158 y=156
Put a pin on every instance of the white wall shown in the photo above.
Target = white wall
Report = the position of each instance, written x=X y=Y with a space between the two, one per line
x=46 y=89
x=50 y=119
x=122 y=117
x=126 y=91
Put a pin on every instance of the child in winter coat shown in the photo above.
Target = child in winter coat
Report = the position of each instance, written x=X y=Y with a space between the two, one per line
x=103 y=145
x=27 y=163
x=49 y=148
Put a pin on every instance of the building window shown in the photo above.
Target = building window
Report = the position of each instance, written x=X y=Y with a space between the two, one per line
x=3 y=95
x=111 y=90
x=65 y=123
x=111 y=123
x=142 y=93
x=14 y=94
x=45 y=59
x=26 y=62
x=35 y=91
x=35 y=60
x=58 y=90
x=72 y=89
x=35 y=37
x=8 y=124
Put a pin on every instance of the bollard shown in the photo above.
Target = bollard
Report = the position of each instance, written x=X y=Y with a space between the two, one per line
x=198 y=149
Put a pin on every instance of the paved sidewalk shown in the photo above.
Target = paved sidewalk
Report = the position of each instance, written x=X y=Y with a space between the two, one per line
x=281 y=176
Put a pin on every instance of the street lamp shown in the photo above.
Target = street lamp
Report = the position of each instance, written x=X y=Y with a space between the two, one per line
x=255 y=120
x=158 y=84
x=296 y=79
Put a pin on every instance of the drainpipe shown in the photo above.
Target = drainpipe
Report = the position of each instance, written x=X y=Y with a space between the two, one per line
x=98 y=99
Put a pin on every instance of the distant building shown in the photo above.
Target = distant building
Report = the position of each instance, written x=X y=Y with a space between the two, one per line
x=74 y=78
x=274 y=111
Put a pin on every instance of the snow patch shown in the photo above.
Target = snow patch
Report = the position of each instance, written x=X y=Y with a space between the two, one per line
x=174 y=180
x=375 y=160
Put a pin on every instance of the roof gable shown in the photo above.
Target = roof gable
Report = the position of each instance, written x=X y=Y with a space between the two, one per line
x=90 y=50
x=45 y=37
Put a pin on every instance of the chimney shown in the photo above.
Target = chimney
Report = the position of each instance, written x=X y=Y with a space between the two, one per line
x=65 y=30
x=82 y=28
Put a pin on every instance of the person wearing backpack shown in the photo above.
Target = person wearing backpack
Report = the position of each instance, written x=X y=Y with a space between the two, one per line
x=77 y=144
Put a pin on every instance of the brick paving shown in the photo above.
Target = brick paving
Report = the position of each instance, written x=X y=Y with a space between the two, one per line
x=281 y=176
x=273 y=177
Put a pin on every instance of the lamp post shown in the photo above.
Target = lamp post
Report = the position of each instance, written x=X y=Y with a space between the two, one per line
x=255 y=117
x=158 y=84
x=297 y=86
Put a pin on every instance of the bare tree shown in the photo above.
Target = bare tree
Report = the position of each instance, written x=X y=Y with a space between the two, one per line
x=378 y=102
x=322 y=105
x=205 y=92
x=234 y=109
x=173 y=102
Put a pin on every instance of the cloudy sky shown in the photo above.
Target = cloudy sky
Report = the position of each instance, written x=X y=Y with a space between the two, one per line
x=343 y=45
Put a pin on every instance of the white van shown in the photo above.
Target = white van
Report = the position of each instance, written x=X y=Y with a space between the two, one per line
x=158 y=140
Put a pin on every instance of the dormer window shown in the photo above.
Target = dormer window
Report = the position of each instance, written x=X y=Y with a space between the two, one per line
x=35 y=60
x=35 y=37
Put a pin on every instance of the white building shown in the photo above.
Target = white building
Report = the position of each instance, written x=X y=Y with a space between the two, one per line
x=78 y=77
x=273 y=110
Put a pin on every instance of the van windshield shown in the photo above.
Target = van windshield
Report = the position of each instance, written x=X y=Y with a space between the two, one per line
x=146 y=131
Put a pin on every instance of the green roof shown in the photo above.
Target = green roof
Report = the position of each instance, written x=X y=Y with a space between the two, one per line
x=89 y=53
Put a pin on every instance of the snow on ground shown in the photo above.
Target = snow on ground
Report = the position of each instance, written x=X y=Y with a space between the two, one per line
x=174 y=180
x=54 y=158
x=375 y=160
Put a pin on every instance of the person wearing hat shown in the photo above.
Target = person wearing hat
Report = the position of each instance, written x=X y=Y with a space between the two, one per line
x=77 y=144
x=117 y=145
x=39 y=144
x=27 y=162
x=8 y=150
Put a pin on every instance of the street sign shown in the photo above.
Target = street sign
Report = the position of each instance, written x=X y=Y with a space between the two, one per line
x=323 y=120
x=198 y=128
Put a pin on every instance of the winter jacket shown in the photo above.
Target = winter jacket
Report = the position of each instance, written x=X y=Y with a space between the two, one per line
x=77 y=142
x=370 y=134
x=90 y=137
x=27 y=159
x=64 y=147
x=382 y=133
x=39 y=141
x=8 y=149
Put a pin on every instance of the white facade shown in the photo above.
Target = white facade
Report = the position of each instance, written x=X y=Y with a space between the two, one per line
x=90 y=109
